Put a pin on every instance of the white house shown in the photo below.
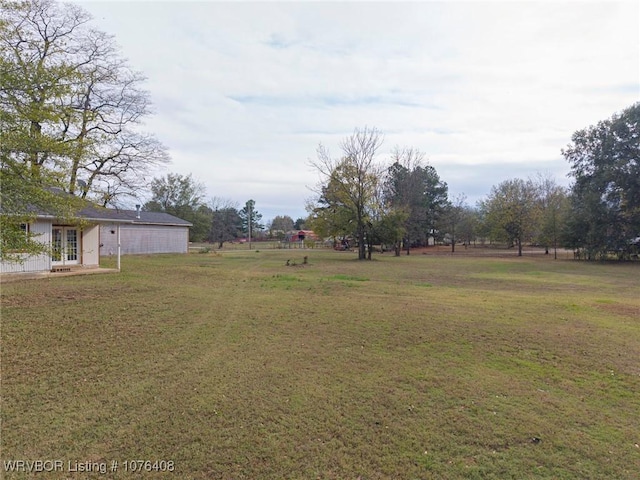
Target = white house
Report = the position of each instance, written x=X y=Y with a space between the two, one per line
x=79 y=243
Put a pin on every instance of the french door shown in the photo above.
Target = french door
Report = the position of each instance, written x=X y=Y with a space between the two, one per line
x=65 y=243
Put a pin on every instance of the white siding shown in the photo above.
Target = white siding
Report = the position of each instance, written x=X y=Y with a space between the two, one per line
x=33 y=263
x=141 y=239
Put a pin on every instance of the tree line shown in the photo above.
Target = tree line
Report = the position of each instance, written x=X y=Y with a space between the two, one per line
x=216 y=220
x=405 y=203
x=598 y=216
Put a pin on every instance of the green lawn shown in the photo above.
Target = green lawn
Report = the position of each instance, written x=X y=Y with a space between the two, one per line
x=235 y=366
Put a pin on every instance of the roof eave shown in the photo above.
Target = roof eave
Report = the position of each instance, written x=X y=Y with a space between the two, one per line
x=81 y=218
x=163 y=224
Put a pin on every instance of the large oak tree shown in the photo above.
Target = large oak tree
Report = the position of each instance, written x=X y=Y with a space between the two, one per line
x=73 y=103
x=605 y=197
x=348 y=186
x=511 y=212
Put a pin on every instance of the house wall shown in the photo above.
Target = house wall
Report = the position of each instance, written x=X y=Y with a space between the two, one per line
x=33 y=263
x=90 y=246
x=141 y=239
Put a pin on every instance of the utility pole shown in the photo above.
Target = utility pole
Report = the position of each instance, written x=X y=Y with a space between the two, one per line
x=250 y=220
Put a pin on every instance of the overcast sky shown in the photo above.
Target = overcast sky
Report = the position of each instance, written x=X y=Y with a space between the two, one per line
x=245 y=91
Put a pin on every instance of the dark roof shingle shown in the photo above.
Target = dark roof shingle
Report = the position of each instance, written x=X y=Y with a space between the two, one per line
x=131 y=216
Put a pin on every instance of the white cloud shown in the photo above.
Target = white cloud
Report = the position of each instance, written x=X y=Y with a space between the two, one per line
x=244 y=92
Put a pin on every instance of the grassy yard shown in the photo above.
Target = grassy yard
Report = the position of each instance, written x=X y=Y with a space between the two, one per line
x=235 y=366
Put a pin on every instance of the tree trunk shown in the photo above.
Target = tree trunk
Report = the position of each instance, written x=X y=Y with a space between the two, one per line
x=362 y=250
x=35 y=131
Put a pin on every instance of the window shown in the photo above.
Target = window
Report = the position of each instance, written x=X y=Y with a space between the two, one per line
x=18 y=237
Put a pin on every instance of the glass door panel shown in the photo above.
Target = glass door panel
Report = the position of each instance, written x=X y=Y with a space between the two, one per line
x=71 y=246
x=56 y=245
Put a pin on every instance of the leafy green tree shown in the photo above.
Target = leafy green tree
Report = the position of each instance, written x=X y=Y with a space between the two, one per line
x=24 y=194
x=27 y=180
x=468 y=225
x=70 y=108
x=176 y=194
x=182 y=196
x=250 y=219
x=388 y=228
x=226 y=225
x=202 y=219
x=605 y=197
x=452 y=219
x=32 y=83
x=329 y=215
x=300 y=224
x=280 y=225
x=511 y=212
x=553 y=205
x=417 y=190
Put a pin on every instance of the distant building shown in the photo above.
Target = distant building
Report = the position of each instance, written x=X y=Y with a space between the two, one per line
x=300 y=236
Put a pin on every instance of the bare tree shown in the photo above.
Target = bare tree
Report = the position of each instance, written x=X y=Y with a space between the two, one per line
x=453 y=217
x=221 y=203
x=348 y=185
x=107 y=107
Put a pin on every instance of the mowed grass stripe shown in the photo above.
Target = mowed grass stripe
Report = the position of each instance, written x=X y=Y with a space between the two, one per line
x=237 y=366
